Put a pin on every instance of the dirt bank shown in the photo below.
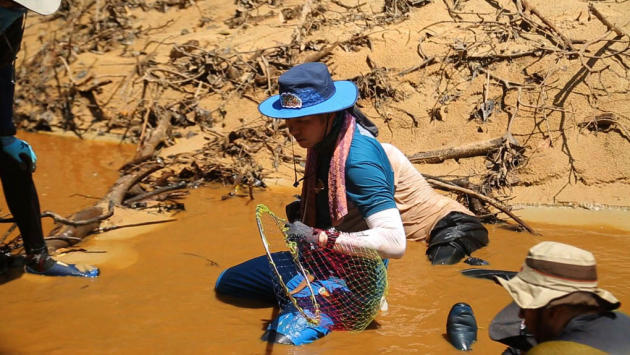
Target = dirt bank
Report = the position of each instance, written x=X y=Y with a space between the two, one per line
x=432 y=75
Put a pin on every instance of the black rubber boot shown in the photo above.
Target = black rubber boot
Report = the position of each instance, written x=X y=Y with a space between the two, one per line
x=461 y=326
x=446 y=254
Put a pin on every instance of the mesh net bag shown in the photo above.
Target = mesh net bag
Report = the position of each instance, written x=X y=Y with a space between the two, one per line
x=322 y=286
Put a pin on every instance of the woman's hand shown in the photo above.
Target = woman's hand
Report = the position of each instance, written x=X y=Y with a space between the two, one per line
x=300 y=231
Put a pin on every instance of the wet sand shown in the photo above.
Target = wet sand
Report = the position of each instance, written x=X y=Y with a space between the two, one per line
x=156 y=289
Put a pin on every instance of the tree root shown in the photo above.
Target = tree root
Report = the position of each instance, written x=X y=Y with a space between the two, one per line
x=72 y=230
x=490 y=200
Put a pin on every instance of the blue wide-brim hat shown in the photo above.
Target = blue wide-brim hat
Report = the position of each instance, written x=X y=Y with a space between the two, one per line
x=307 y=89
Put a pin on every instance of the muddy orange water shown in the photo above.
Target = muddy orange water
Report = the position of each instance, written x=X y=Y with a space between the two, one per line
x=156 y=289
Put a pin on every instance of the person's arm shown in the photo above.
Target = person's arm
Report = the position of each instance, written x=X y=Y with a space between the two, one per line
x=385 y=234
x=11 y=31
x=17 y=149
x=369 y=186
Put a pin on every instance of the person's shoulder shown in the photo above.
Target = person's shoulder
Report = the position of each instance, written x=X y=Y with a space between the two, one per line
x=365 y=147
x=621 y=315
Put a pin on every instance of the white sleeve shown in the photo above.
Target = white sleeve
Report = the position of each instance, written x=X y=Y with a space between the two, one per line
x=386 y=235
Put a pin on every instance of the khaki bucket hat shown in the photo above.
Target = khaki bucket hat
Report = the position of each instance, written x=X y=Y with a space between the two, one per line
x=554 y=270
x=42 y=7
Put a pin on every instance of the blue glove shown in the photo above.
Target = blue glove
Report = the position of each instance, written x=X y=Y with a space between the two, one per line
x=20 y=151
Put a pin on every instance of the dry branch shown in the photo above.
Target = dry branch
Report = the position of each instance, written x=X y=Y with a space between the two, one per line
x=65 y=235
x=299 y=30
x=147 y=148
x=139 y=197
x=605 y=21
x=566 y=41
x=316 y=57
x=424 y=63
x=493 y=202
x=464 y=151
x=62 y=236
x=77 y=223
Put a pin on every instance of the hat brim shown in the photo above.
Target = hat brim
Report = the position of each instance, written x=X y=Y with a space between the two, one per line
x=42 y=7
x=529 y=296
x=345 y=96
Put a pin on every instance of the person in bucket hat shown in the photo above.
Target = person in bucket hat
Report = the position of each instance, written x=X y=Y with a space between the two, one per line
x=17 y=158
x=556 y=293
x=350 y=183
x=450 y=229
x=347 y=198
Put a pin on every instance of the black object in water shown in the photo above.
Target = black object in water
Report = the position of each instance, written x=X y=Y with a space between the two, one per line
x=461 y=326
x=475 y=261
x=489 y=274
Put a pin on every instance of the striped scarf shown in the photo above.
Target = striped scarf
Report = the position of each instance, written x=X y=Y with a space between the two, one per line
x=337 y=201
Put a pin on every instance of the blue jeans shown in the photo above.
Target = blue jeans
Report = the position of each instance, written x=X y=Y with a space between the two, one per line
x=253 y=280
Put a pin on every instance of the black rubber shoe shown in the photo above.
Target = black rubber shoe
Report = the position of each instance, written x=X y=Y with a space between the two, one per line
x=461 y=326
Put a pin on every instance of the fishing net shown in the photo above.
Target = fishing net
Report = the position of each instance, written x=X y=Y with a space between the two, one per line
x=321 y=287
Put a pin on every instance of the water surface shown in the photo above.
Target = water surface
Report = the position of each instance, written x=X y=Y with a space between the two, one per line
x=156 y=289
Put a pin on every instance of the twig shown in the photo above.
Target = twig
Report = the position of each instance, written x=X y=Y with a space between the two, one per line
x=8 y=232
x=450 y=11
x=605 y=21
x=143 y=131
x=297 y=32
x=316 y=57
x=58 y=219
x=265 y=68
x=177 y=186
x=106 y=229
x=159 y=133
x=210 y=262
x=340 y=4
x=533 y=10
x=506 y=83
x=64 y=238
x=424 y=63
x=485 y=198
x=497 y=57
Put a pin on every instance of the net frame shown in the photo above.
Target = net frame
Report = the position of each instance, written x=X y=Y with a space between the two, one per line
x=261 y=210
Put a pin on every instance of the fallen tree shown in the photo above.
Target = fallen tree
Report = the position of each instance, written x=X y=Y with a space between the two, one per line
x=82 y=223
x=481 y=148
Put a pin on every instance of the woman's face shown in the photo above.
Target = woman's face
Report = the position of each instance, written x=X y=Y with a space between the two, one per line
x=310 y=130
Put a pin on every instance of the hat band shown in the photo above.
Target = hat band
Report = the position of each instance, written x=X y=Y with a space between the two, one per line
x=305 y=97
x=572 y=272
